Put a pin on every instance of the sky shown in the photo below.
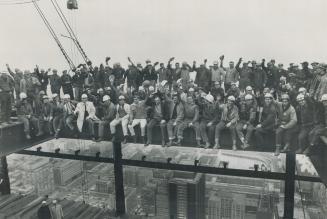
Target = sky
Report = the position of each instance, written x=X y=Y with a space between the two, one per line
x=286 y=30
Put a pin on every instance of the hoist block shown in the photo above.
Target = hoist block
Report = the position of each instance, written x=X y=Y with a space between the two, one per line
x=72 y=4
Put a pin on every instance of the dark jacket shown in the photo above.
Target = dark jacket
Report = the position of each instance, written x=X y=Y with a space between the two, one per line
x=269 y=115
x=44 y=212
x=24 y=108
x=305 y=114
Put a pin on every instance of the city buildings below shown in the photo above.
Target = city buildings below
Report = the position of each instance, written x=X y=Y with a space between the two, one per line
x=66 y=171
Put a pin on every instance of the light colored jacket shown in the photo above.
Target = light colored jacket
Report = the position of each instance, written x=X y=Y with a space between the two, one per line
x=80 y=110
x=56 y=212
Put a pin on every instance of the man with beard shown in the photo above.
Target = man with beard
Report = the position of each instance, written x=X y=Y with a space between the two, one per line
x=247 y=116
x=287 y=125
x=228 y=121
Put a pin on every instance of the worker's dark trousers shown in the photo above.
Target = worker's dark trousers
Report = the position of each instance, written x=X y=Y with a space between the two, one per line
x=5 y=106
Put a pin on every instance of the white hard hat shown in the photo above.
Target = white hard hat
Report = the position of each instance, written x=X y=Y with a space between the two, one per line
x=324 y=97
x=54 y=95
x=22 y=95
x=141 y=88
x=45 y=97
x=105 y=98
x=66 y=96
x=248 y=88
x=248 y=97
x=215 y=62
x=151 y=88
x=179 y=81
x=121 y=97
x=231 y=98
x=44 y=202
x=84 y=96
x=268 y=95
x=209 y=98
x=100 y=89
x=300 y=97
x=302 y=89
x=285 y=96
x=282 y=78
x=191 y=89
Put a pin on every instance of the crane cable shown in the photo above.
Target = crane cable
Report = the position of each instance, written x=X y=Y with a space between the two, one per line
x=53 y=34
x=69 y=30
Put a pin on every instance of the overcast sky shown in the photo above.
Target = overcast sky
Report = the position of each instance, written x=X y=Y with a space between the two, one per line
x=287 y=30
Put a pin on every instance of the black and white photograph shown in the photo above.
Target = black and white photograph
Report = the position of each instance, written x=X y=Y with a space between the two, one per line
x=163 y=109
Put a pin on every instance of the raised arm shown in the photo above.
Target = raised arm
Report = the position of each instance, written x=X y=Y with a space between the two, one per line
x=238 y=65
x=169 y=62
x=10 y=71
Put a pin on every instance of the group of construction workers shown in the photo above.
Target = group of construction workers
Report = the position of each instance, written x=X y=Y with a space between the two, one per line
x=251 y=100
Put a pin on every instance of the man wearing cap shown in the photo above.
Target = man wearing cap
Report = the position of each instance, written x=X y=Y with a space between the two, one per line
x=138 y=117
x=320 y=124
x=122 y=117
x=109 y=114
x=46 y=112
x=69 y=108
x=267 y=120
x=78 y=83
x=233 y=91
x=287 y=121
x=228 y=121
x=322 y=87
x=305 y=115
x=247 y=119
x=203 y=75
x=66 y=81
x=5 y=99
x=55 y=82
x=158 y=113
x=211 y=114
x=85 y=112
x=176 y=116
x=149 y=72
x=17 y=76
x=163 y=73
x=217 y=73
x=232 y=75
x=43 y=77
x=25 y=114
x=175 y=72
x=56 y=210
x=191 y=119
x=259 y=76
x=44 y=211
x=245 y=74
x=119 y=74
x=57 y=115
